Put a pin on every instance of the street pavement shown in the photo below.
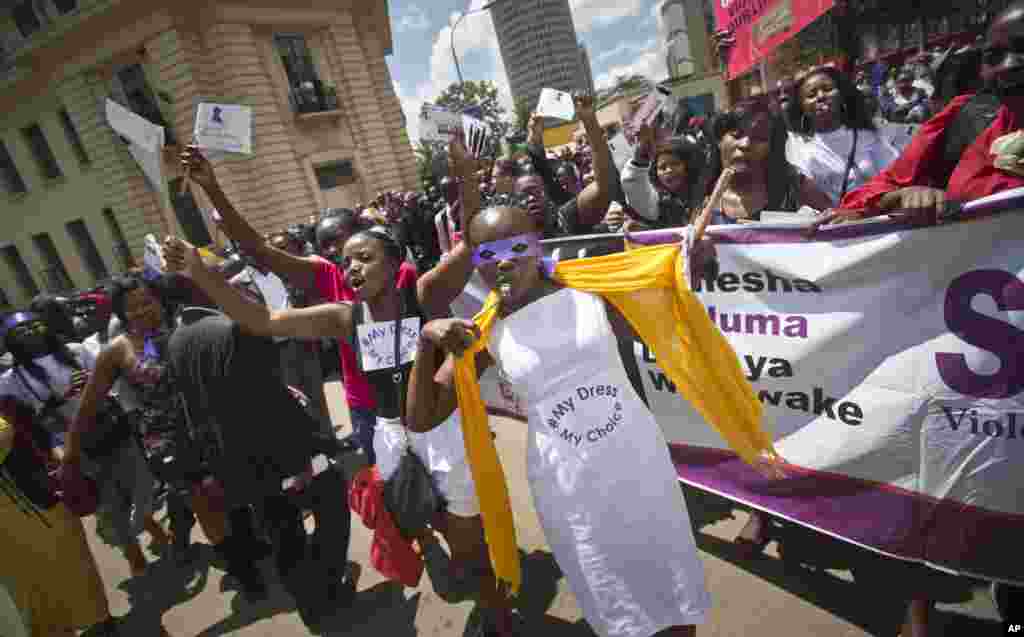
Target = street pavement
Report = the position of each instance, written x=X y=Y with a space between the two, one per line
x=765 y=597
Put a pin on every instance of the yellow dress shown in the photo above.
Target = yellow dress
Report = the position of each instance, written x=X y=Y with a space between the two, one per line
x=48 y=567
x=648 y=286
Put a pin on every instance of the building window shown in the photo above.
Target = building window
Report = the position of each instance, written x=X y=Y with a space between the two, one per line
x=21 y=274
x=334 y=174
x=40 y=148
x=12 y=178
x=72 y=134
x=54 y=273
x=122 y=253
x=5 y=301
x=25 y=18
x=131 y=90
x=305 y=90
x=86 y=247
x=189 y=215
x=65 y=6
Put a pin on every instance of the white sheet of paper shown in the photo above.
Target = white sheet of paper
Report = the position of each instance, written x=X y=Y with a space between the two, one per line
x=151 y=164
x=153 y=256
x=136 y=129
x=224 y=127
x=621 y=150
x=557 y=104
x=438 y=124
x=377 y=343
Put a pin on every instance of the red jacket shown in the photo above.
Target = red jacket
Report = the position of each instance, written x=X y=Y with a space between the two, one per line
x=390 y=553
x=922 y=162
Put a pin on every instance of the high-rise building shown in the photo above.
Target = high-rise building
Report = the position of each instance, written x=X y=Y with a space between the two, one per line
x=685 y=31
x=588 y=72
x=539 y=47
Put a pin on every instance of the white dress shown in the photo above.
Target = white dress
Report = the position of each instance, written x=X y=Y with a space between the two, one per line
x=599 y=469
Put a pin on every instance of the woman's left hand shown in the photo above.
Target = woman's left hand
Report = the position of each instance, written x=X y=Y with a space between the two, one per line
x=182 y=256
x=584 y=104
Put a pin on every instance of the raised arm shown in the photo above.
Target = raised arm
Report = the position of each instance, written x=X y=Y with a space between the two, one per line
x=437 y=288
x=328 y=320
x=431 y=396
x=535 y=149
x=300 y=271
x=108 y=367
x=636 y=180
x=593 y=202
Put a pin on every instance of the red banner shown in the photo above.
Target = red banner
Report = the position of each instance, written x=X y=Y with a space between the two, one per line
x=761 y=25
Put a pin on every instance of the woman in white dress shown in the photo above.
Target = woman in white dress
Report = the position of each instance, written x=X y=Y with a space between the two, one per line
x=833 y=140
x=599 y=469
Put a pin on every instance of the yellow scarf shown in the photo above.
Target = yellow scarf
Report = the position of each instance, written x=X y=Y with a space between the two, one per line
x=648 y=287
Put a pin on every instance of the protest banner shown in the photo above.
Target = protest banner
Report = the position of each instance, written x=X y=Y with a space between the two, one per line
x=145 y=144
x=890 y=363
x=759 y=26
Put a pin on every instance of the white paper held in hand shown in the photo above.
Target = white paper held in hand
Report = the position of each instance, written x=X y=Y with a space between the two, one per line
x=557 y=104
x=153 y=258
x=438 y=124
x=225 y=128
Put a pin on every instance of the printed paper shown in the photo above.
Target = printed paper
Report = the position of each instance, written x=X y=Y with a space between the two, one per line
x=224 y=128
x=377 y=343
x=557 y=104
x=438 y=124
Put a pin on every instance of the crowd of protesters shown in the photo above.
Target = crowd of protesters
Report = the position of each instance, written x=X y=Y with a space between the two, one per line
x=207 y=384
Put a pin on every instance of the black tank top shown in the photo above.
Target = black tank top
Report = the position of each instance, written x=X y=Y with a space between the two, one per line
x=382 y=380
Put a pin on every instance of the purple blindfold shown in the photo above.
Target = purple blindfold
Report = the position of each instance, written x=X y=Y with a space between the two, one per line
x=517 y=247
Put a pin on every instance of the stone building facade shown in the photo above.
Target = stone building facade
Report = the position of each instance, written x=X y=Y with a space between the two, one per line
x=328 y=127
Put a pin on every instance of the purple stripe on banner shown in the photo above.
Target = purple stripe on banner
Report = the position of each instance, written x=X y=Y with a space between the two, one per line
x=949 y=534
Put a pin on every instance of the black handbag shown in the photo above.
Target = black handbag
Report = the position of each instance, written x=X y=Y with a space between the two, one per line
x=110 y=430
x=410 y=494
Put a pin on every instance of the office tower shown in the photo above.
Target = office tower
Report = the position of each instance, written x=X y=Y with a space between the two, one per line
x=539 y=47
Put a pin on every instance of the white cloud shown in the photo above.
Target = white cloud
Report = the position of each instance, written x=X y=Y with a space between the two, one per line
x=413 y=19
x=623 y=48
x=474 y=35
x=649 y=63
x=587 y=14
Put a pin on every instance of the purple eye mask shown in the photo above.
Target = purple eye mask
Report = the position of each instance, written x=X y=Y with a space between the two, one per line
x=517 y=247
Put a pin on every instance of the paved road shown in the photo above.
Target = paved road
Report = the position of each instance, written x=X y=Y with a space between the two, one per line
x=765 y=597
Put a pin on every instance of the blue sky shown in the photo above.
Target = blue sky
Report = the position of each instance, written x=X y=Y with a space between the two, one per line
x=622 y=37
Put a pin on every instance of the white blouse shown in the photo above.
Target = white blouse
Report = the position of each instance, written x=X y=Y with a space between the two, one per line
x=824 y=156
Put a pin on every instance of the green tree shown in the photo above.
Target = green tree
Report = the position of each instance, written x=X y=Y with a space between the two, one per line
x=483 y=95
x=427 y=153
x=522 y=114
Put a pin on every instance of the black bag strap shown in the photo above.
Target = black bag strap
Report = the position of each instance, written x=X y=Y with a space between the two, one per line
x=849 y=165
x=397 y=373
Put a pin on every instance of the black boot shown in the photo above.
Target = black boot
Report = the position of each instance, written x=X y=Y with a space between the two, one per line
x=241 y=567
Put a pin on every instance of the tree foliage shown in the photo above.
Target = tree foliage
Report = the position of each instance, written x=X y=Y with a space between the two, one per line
x=521 y=116
x=477 y=94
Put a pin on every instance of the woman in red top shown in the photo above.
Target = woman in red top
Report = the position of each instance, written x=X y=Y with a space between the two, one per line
x=921 y=180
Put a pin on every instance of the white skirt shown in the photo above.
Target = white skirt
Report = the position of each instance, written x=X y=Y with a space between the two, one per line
x=441 y=449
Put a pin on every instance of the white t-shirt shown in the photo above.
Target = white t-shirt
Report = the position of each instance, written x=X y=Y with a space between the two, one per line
x=823 y=158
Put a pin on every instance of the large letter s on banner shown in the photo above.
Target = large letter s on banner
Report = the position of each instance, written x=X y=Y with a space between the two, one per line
x=1003 y=339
